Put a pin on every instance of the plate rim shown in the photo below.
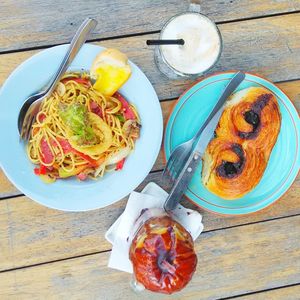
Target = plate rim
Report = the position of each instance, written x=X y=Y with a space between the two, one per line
x=237 y=212
x=37 y=196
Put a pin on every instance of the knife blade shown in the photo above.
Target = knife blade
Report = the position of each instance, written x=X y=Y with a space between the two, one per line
x=194 y=158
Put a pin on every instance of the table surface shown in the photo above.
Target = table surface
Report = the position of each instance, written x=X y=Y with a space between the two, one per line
x=46 y=253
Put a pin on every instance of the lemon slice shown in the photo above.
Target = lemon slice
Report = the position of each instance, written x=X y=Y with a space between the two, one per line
x=111 y=70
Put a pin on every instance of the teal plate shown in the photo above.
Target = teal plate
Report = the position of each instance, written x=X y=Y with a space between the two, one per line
x=190 y=112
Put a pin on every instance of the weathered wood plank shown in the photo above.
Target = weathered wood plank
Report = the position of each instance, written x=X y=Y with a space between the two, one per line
x=37 y=23
x=268 y=46
x=231 y=262
x=7 y=189
x=286 y=293
x=27 y=228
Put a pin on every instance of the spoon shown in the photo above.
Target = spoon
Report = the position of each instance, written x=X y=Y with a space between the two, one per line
x=32 y=104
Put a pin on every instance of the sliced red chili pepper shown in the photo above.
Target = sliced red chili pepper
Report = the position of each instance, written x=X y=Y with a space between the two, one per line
x=120 y=164
x=53 y=143
x=46 y=152
x=67 y=148
x=82 y=176
x=83 y=81
x=42 y=170
x=42 y=117
x=35 y=130
x=127 y=111
x=95 y=108
x=91 y=161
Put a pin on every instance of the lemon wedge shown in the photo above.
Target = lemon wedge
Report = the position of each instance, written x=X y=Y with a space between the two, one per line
x=111 y=70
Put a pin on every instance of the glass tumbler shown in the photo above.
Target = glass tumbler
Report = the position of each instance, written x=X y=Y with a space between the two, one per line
x=201 y=50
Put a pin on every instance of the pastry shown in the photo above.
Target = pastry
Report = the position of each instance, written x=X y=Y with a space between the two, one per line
x=163 y=256
x=235 y=160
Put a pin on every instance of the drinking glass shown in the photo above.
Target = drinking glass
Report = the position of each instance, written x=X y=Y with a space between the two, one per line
x=162 y=63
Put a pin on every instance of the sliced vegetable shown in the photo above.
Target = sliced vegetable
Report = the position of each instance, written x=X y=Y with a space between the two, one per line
x=100 y=168
x=83 y=81
x=41 y=117
x=121 y=118
x=131 y=128
x=64 y=174
x=60 y=89
x=95 y=108
x=92 y=162
x=120 y=164
x=42 y=170
x=103 y=133
x=47 y=179
x=67 y=148
x=75 y=117
x=127 y=110
x=82 y=176
x=100 y=161
x=47 y=155
x=35 y=130
x=118 y=156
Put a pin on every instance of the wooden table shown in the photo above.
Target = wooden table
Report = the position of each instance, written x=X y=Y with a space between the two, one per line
x=46 y=253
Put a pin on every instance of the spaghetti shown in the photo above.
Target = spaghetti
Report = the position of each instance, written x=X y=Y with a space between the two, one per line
x=81 y=132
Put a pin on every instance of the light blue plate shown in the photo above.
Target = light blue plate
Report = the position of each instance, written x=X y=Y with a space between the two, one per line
x=72 y=195
x=190 y=112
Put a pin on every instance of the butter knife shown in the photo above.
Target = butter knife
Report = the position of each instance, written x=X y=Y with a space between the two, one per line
x=187 y=172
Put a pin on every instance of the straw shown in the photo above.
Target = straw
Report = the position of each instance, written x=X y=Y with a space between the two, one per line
x=165 y=42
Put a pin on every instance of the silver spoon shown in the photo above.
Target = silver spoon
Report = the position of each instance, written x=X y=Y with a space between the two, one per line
x=32 y=104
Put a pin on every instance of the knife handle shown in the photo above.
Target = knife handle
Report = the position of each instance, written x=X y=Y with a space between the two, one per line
x=183 y=180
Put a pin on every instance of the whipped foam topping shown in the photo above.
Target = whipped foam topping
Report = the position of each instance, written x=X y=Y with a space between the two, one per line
x=202 y=43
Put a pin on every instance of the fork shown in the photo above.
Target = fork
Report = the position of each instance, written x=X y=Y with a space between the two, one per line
x=181 y=153
x=33 y=103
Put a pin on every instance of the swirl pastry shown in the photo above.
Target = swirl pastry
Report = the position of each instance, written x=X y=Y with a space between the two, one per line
x=163 y=255
x=235 y=160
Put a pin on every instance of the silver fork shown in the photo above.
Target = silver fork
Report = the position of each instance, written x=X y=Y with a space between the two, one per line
x=33 y=103
x=181 y=153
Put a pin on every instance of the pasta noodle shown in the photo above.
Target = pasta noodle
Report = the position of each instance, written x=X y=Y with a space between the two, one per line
x=79 y=131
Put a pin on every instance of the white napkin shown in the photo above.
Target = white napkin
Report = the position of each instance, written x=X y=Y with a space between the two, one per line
x=152 y=196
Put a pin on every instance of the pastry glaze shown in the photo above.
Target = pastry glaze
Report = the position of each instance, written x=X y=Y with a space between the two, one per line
x=235 y=160
x=163 y=256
